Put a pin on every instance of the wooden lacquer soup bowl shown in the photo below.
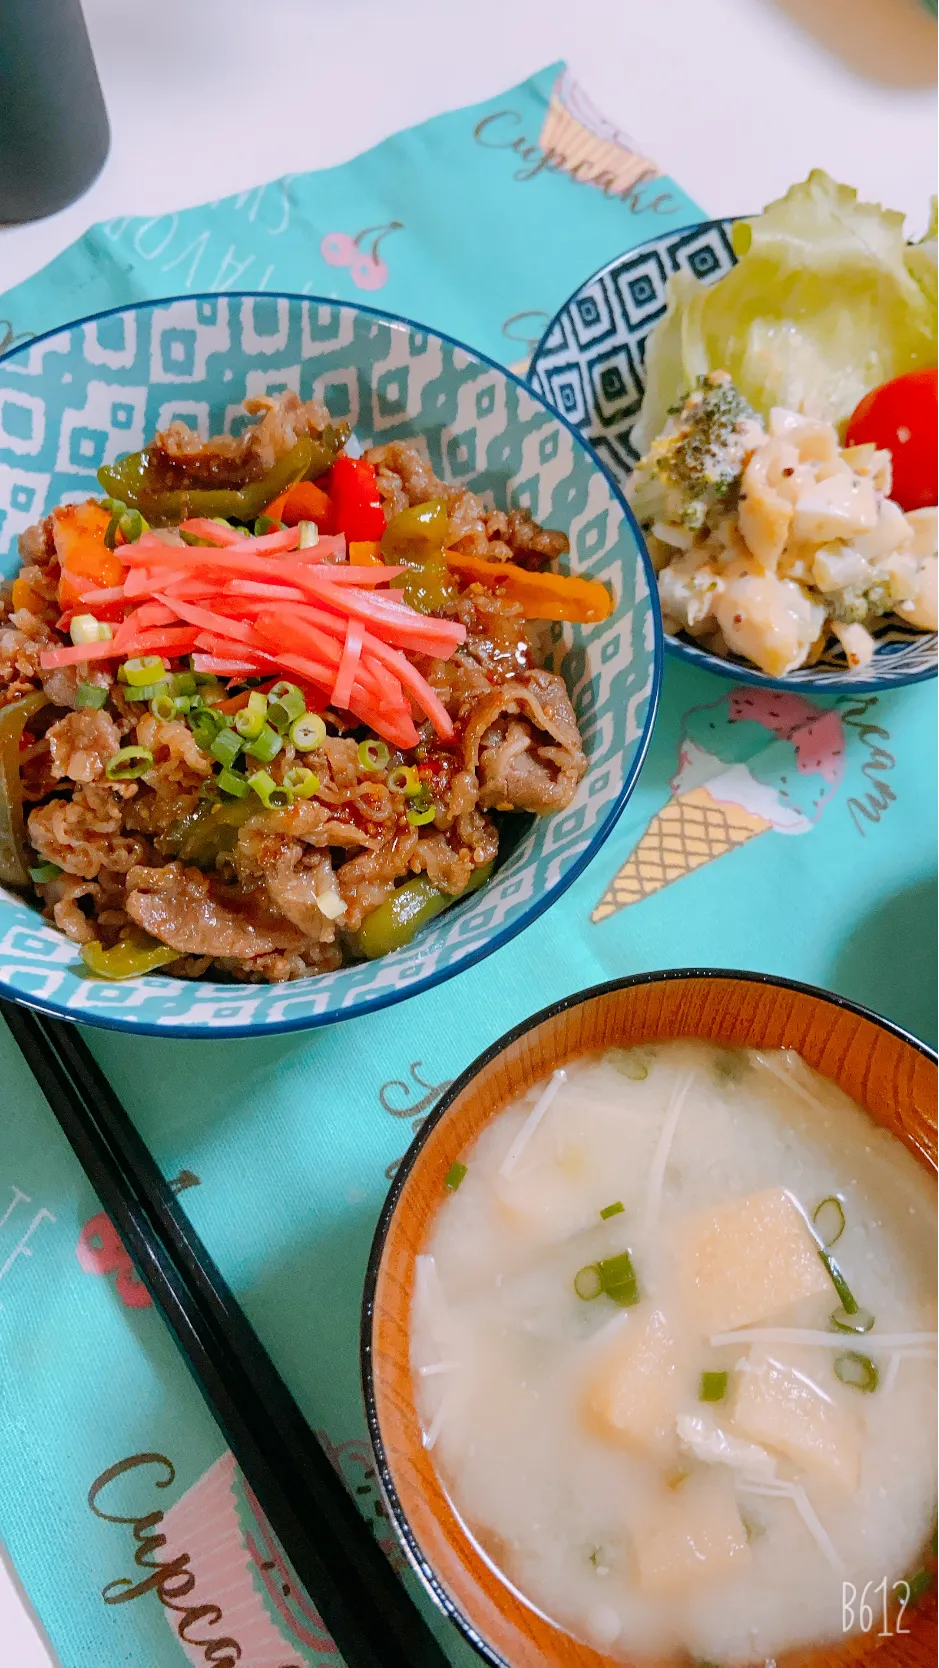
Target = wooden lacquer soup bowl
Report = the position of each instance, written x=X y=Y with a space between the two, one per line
x=879 y=1066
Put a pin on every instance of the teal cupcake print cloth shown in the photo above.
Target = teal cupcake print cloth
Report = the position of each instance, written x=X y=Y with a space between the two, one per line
x=801 y=842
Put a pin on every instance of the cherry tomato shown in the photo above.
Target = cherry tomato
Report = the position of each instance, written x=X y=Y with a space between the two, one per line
x=902 y=417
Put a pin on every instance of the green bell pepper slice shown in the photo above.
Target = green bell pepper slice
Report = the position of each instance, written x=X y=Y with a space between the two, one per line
x=211 y=831
x=417 y=534
x=394 y=923
x=129 y=480
x=417 y=538
x=133 y=954
x=14 y=868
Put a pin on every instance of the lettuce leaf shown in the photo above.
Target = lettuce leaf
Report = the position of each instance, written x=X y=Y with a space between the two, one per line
x=827 y=301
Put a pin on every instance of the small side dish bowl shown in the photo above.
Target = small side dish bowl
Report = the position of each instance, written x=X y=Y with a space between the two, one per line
x=881 y=1068
x=88 y=394
x=590 y=365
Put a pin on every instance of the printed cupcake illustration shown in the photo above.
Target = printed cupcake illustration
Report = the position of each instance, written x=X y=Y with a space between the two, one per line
x=583 y=143
x=242 y=1577
x=757 y=761
x=249 y=1590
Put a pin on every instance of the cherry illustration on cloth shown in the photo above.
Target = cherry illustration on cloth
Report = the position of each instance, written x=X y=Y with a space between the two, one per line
x=366 y=270
x=101 y=1251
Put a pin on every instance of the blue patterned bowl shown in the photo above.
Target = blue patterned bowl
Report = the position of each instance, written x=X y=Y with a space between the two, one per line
x=590 y=365
x=83 y=396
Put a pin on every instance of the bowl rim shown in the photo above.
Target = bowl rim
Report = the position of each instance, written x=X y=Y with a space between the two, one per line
x=538 y=904
x=742 y=671
x=406 y=1537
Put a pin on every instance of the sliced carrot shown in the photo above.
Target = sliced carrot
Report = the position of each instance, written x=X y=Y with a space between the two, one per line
x=227 y=538
x=255 y=588
x=23 y=596
x=207 y=620
x=349 y=663
x=222 y=668
x=113 y=593
x=156 y=614
x=234 y=703
x=364 y=576
x=414 y=683
x=543 y=596
x=203 y=527
x=74 y=653
x=302 y=502
x=78 y=531
x=365 y=553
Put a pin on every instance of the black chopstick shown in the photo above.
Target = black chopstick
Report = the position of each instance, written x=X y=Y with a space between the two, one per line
x=362 y=1602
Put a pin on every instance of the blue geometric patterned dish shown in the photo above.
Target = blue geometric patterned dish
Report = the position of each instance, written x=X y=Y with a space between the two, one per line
x=99 y=388
x=590 y=365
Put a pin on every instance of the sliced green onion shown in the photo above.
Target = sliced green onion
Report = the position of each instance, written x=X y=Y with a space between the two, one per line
x=309 y=535
x=917 y=1585
x=857 y=1370
x=163 y=706
x=230 y=782
x=114 y=506
x=587 y=1282
x=265 y=524
x=612 y=1210
x=860 y=1321
x=182 y=683
x=618 y=1279
x=828 y=1220
x=454 y=1176
x=273 y=798
x=110 y=532
x=373 y=754
x=281 y=692
x=285 y=709
x=141 y=669
x=86 y=629
x=265 y=746
x=712 y=1387
x=183 y=704
x=848 y=1299
x=128 y=763
x=133 y=526
x=205 y=726
x=404 y=779
x=146 y=691
x=250 y=721
x=90 y=695
x=302 y=782
x=308 y=733
x=43 y=872
x=421 y=809
x=203 y=679
x=226 y=746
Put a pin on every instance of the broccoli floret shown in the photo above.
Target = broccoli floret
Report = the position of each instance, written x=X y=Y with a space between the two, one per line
x=859 y=607
x=691 y=472
x=702 y=459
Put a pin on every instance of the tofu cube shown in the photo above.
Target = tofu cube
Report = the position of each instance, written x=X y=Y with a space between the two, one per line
x=631 y=1394
x=746 y=1261
x=782 y=1407
x=692 y=1537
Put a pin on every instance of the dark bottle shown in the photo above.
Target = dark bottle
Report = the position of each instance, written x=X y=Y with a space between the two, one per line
x=54 y=133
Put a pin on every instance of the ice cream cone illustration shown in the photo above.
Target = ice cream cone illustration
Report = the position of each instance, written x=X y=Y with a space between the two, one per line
x=583 y=143
x=757 y=761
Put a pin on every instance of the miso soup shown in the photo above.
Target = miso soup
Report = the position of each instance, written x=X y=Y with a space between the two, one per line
x=674 y=1347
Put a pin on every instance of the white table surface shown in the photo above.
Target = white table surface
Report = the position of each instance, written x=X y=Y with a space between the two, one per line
x=735 y=98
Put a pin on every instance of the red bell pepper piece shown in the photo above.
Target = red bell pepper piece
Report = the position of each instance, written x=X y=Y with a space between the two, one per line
x=355 y=501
